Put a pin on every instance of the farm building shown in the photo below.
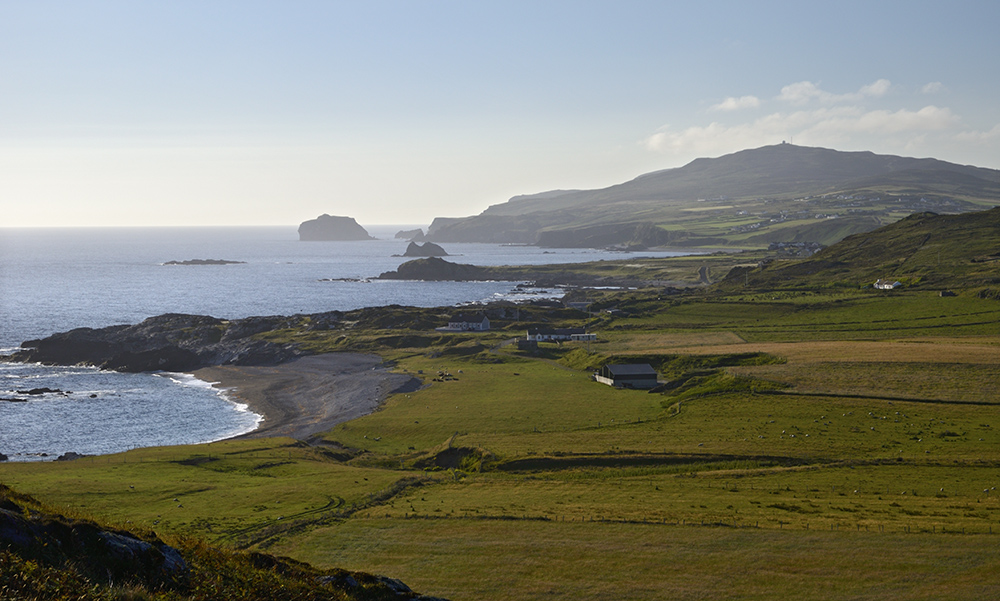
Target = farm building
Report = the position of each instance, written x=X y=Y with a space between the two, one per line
x=887 y=284
x=464 y=322
x=556 y=335
x=629 y=375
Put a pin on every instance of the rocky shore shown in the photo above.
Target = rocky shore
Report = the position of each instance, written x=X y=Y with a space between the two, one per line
x=298 y=394
x=170 y=342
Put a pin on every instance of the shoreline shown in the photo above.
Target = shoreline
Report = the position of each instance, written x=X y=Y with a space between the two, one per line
x=308 y=395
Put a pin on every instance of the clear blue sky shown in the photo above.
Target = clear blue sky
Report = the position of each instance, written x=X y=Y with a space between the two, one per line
x=241 y=113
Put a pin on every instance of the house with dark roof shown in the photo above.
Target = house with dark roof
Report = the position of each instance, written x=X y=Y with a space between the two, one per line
x=465 y=322
x=628 y=375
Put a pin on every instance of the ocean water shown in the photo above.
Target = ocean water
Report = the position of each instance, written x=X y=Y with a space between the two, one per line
x=57 y=279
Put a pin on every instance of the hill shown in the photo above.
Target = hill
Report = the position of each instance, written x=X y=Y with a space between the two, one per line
x=749 y=198
x=924 y=249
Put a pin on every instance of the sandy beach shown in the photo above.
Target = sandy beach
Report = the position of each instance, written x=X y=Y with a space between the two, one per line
x=311 y=394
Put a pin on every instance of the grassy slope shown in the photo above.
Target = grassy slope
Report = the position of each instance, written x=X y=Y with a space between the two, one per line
x=931 y=250
x=852 y=361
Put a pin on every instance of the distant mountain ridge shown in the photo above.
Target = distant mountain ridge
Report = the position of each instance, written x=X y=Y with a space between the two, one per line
x=665 y=202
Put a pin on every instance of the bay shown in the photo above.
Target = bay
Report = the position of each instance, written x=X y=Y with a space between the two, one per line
x=57 y=279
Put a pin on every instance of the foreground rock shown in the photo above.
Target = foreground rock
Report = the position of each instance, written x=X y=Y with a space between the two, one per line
x=44 y=555
x=332 y=228
x=99 y=553
x=171 y=342
x=427 y=249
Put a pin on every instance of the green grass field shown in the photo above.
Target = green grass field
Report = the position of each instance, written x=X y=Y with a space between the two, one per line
x=804 y=427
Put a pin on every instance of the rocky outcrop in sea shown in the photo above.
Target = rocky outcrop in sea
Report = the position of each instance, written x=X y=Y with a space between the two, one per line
x=332 y=228
x=416 y=235
x=427 y=249
x=436 y=269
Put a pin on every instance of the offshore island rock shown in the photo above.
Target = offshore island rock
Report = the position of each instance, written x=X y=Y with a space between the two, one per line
x=416 y=235
x=427 y=249
x=332 y=228
x=436 y=269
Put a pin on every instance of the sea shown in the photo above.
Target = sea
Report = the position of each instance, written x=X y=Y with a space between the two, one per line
x=57 y=279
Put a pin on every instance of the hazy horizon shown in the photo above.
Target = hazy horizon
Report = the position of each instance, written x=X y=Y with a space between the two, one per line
x=119 y=113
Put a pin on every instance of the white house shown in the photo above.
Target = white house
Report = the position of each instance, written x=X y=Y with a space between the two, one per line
x=887 y=284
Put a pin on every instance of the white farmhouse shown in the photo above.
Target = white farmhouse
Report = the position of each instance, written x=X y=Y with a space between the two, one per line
x=887 y=284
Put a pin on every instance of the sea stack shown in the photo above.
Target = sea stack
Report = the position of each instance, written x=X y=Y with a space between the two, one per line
x=427 y=249
x=329 y=227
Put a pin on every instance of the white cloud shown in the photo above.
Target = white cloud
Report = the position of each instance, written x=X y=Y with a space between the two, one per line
x=876 y=89
x=979 y=136
x=823 y=126
x=732 y=103
x=933 y=87
x=804 y=92
x=801 y=93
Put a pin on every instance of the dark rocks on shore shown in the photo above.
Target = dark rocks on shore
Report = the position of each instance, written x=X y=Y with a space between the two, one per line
x=427 y=249
x=171 y=342
x=205 y=262
x=332 y=228
x=40 y=391
x=71 y=456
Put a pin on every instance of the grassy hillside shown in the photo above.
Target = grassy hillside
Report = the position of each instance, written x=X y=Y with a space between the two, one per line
x=801 y=417
x=774 y=193
x=924 y=250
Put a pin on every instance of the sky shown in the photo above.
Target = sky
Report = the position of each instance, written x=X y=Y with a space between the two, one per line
x=186 y=113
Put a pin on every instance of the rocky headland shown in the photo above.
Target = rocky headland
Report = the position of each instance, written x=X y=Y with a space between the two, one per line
x=332 y=228
x=436 y=269
x=170 y=342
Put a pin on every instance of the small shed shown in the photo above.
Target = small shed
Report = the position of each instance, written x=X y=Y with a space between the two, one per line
x=628 y=375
